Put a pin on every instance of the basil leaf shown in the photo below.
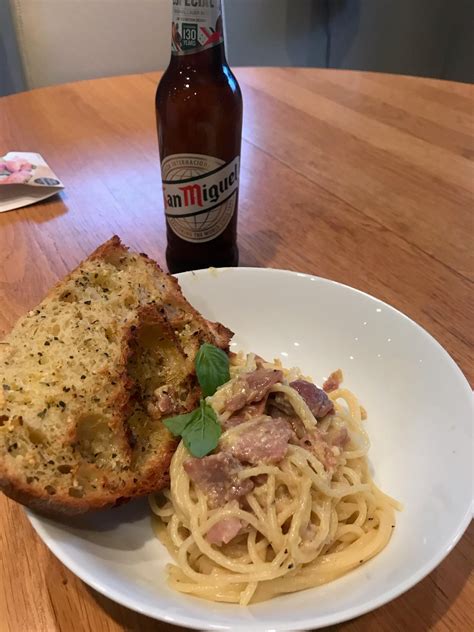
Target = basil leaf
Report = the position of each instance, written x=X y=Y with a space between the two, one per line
x=212 y=368
x=177 y=425
x=201 y=436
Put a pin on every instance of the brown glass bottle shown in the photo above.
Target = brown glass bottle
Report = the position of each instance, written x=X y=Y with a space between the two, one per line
x=199 y=120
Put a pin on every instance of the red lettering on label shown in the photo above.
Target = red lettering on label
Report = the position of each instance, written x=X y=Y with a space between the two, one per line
x=192 y=195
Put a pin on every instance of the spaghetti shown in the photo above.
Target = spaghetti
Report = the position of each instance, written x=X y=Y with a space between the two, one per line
x=304 y=519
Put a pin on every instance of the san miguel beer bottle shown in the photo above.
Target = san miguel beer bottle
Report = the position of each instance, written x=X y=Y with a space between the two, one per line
x=199 y=117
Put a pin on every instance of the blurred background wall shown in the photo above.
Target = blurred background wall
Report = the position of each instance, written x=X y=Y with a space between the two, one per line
x=43 y=42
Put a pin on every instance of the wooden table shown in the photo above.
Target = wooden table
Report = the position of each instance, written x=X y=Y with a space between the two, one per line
x=362 y=178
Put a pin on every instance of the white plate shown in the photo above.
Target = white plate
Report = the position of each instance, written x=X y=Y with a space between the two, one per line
x=419 y=406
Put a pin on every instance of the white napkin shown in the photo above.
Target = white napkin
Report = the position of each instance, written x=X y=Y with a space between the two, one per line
x=25 y=178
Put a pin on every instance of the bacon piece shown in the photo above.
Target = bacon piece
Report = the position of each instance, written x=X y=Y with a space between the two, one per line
x=264 y=441
x=317 y=400
x=315 y=443
x=333 y=382
x=293 y=420
x=224 y=531
x=338 y=437
x=321 y=444
x=246 y=414
x=217 y=476
x=252 y=387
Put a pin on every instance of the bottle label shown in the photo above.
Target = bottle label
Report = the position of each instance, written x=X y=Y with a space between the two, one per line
x=196 y=26
x=200 y=194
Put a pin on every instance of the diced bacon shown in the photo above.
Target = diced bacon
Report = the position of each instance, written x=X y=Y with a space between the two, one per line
x=293 y=420
x=338 y=438
x=326 y=445
x=260 y=479
x=317 y=400
x=217 y=476
x=263 y=441
x=246 y=414
x=315 y=443
x=252 y=387
x=333 y=382
x=165 y=404
x=224 y=531
x=233 y=421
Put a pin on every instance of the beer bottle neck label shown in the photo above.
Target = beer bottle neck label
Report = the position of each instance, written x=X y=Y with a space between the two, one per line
x=196 y=26
x=200 y=194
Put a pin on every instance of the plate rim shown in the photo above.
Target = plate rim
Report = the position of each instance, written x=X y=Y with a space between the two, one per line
x=318 y=621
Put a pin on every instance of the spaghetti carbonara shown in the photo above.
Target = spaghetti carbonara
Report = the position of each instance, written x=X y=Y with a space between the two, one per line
x=286 y=502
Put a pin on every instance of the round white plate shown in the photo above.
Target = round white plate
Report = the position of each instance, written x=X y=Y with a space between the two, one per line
x=420 y=415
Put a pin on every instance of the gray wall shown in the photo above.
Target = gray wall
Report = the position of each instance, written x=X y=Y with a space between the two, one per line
x=11 y=71
x=432 y=38
x=276 y=32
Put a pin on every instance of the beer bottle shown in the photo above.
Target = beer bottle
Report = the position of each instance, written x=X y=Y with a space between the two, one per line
x=199 y=119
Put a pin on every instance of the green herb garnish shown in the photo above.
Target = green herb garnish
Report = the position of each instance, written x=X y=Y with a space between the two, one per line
x=212 y=368
x=200 y=429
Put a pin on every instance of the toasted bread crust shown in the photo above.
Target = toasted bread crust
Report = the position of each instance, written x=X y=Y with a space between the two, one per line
x=167 y=308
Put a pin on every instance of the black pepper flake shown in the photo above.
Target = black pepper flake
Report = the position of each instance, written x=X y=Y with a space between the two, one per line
x=290 y=566
x=361 y=561
x=105 y=289
x=6 y=387
x=42 y=413
x=39 y=353
x=83 y=377
x=62 y=404
x=46 y=343
x=56 y=338
x=71 y=357
x=66 y=389
x=87 y=302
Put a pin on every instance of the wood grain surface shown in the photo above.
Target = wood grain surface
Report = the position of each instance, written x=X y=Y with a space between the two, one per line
x=363 y=178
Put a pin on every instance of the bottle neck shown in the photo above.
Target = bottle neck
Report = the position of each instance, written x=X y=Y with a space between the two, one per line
x=197 y=32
